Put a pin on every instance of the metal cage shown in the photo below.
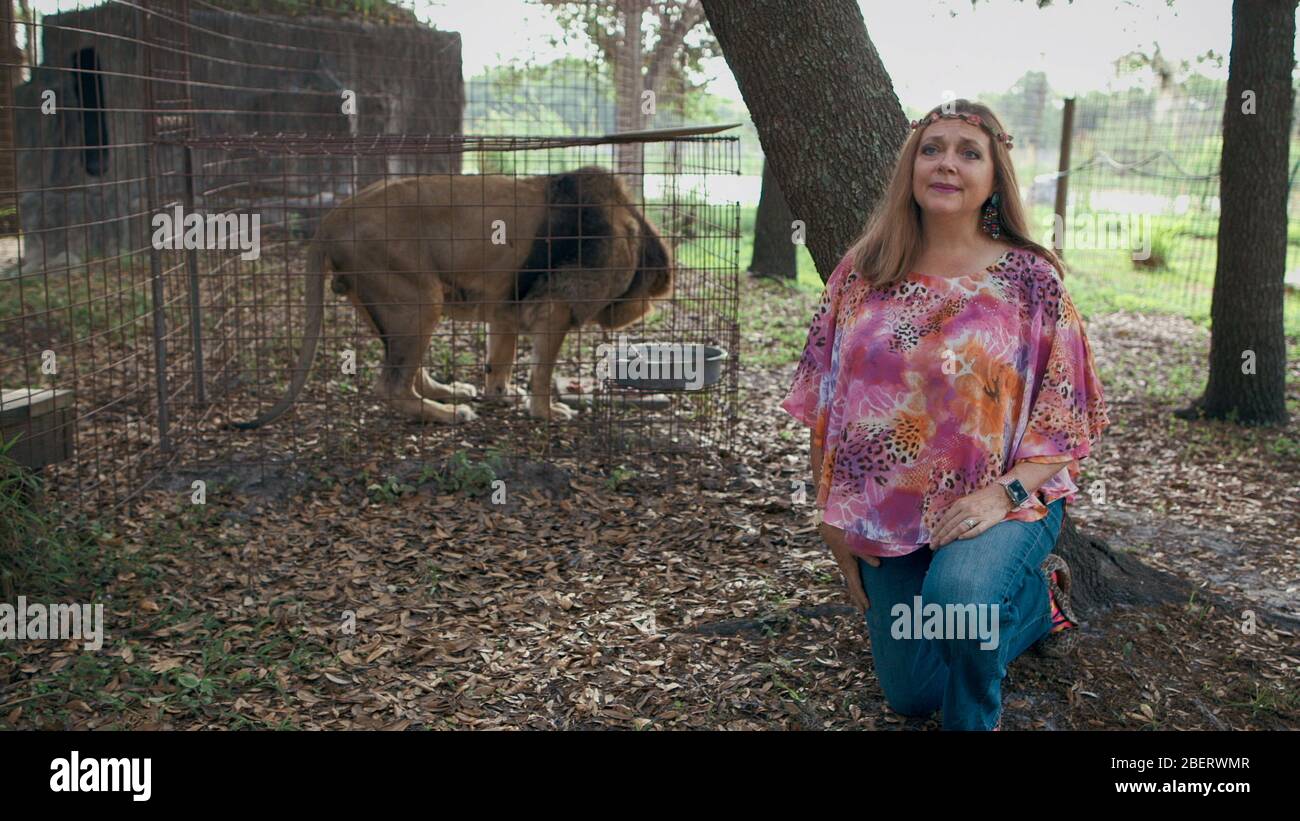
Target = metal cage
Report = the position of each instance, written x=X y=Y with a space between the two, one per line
x=152 y=345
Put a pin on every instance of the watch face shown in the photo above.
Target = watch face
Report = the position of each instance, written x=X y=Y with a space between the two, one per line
x=1018 y=491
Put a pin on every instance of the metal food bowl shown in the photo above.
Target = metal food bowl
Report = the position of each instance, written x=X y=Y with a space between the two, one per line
x=660 y=359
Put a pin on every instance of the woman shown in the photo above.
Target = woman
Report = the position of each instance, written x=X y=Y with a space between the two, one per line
x=951 y=394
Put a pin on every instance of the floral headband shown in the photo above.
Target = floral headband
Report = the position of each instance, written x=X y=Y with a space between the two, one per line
x=973 y=119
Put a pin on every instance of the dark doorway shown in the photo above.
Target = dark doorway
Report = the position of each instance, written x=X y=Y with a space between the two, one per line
x=90 y=99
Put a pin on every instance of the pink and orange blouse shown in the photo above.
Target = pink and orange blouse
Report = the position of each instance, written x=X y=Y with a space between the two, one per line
x=924 y=391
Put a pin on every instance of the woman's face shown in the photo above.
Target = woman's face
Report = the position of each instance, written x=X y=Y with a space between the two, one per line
x=953 y=172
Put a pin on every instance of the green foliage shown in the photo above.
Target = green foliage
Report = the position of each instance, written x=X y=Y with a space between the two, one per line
x=618 y=476
x=24 y=529
x=497 y=162
x=1164 y=243
x=558 y=99
x=73 y=306
x=45 y=551
x=460 y=473
x=388 y=490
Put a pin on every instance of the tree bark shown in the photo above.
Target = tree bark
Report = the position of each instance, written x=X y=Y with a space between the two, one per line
x=1103 y=578
x=815 y=88
x=774 y=251
x=628 y=84
x=1247 y=342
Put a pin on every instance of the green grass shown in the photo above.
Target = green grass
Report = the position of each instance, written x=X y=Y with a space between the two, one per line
x=49 y=552
x=96 y=304
x=1107 y=280
x=200 y=689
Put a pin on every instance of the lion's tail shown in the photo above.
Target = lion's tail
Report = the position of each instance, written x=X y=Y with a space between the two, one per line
x=316 y=273
x=653 y=281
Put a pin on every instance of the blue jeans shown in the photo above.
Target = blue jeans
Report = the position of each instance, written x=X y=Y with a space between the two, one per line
x=960 y=670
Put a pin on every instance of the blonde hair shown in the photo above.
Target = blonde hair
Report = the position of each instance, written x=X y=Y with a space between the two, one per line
x=891 y=241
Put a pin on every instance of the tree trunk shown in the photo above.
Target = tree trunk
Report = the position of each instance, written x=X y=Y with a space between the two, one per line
x=628 y=85
x=816 y=89
x=774 y=251
x=1247 y=344
x=1103 y=578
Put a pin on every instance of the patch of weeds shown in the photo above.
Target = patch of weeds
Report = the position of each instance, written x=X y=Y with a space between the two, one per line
x=430 y=576
x=323 y=480
x=196 y=691
x=1285 y=447
x=1198 y=612
x=389 y=490
x=617 y=477
x=791 y=693
x=49 y=550
x=1164 y=245
x=1269 y=699
x=463 y=474
x=775 y=670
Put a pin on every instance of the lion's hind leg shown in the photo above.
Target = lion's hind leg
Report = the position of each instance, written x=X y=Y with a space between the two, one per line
x=547 y=322
x=503 y=339
x=406 y=332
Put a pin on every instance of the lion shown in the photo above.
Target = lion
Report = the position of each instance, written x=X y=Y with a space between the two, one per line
x=541 y=254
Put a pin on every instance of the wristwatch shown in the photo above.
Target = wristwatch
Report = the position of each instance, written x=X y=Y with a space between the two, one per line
x=1015 y=491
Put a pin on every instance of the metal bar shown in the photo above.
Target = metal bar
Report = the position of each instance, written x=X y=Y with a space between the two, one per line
x=192 y=268
x=155 y=261
x=302 y=143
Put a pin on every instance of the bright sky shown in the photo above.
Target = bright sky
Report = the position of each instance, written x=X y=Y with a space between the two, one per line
x=927 y=45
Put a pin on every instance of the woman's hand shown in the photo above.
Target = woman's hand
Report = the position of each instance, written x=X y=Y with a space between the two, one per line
x=987 y=506
x=834 y=538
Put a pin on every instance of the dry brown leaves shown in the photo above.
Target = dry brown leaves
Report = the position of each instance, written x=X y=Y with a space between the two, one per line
x=706 y=604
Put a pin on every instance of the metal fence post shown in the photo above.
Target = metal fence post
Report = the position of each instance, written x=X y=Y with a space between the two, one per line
x=192 y=268
x=151 y=204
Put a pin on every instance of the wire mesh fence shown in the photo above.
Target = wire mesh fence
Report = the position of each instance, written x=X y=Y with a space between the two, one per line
x=125 y=348
x=189 y=176
x=1142 y=182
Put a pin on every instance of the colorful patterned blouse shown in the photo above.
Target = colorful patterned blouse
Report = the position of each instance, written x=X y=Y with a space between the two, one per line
x=929 y=389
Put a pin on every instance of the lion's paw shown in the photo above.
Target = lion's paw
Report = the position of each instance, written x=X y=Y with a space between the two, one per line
x=463 y=390
x=510 y=395
x=558 y=412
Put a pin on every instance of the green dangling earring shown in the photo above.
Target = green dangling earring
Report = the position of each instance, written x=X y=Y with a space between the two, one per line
x=990 y=222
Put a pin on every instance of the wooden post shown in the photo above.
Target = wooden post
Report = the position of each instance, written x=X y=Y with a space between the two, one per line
x=1062 y=173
